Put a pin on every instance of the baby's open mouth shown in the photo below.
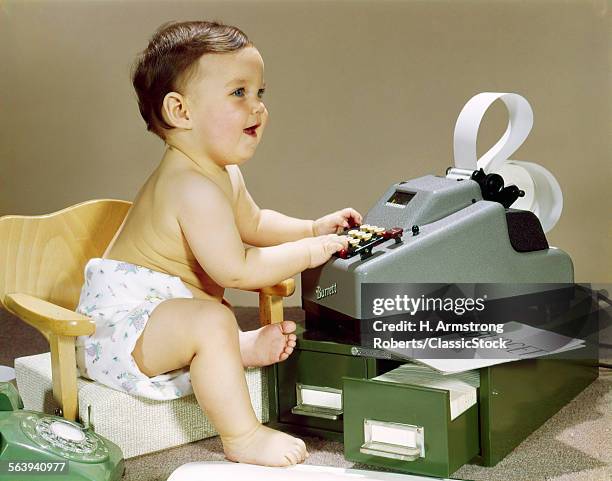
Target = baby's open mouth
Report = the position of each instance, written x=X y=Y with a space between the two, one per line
x=252 y=130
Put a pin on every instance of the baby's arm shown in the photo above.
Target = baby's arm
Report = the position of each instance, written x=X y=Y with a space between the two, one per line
x=265 y=227
x=206 y=219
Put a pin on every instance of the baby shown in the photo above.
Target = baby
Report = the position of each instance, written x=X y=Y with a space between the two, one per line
x=163 y=329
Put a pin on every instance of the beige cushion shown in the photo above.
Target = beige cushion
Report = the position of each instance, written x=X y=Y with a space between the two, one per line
x=135 y=424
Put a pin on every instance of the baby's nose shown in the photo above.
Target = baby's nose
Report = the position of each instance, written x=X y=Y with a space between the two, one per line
x=258 y=107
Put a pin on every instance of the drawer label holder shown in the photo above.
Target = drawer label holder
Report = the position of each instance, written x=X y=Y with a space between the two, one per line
x=318 y=401
x=385 y=439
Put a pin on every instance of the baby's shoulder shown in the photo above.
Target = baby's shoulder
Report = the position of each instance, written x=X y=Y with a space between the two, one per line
x=186 y=187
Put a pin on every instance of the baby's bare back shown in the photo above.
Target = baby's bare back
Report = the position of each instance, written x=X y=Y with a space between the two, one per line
x=151 y=236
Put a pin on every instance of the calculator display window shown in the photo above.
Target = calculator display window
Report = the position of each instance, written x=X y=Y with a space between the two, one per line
x=401 y=198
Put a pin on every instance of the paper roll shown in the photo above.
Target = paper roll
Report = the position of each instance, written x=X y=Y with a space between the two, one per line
x=520 y=121
x=543 y=194
x=542 y=191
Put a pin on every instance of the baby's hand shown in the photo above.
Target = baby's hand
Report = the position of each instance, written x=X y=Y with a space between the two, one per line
x=322 y=247
x=335 y=222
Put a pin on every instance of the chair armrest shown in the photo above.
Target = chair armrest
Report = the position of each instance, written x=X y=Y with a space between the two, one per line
x=59 y=326
x=271 y=301
x=282 y=289
x=49 y=318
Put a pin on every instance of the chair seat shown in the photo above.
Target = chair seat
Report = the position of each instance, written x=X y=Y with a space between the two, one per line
x=137 y=425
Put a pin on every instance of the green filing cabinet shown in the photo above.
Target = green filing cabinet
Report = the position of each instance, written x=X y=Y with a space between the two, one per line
x=514 y=399
x=406 y=428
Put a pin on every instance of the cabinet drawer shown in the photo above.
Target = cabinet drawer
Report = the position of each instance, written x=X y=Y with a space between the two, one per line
x=407 y=428
x=310 y=388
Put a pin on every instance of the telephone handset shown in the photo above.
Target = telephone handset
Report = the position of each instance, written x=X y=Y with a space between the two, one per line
x=35 y=445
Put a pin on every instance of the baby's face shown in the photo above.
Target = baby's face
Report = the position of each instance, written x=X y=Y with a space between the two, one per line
x=226 y=107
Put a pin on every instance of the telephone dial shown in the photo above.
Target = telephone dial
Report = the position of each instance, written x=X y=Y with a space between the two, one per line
x=35 y=446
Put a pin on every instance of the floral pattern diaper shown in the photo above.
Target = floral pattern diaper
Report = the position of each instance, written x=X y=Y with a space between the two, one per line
x=120 y=297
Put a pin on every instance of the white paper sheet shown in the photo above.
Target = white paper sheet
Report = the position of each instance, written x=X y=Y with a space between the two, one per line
x=462 y=387
x=468 y=359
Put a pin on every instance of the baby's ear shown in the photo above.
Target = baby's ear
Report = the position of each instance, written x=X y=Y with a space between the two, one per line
x=175 y=112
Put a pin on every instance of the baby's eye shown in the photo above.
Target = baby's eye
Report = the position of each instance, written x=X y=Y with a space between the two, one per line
x=261 y=93
x=239 y=92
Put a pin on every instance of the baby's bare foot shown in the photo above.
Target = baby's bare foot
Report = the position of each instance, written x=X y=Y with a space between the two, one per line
x=268 y=344
x=266 y=447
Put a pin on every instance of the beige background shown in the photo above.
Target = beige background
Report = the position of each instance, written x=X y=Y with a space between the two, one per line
x=361 y=95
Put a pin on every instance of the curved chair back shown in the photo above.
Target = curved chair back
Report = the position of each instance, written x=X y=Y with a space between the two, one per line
x=45 y=255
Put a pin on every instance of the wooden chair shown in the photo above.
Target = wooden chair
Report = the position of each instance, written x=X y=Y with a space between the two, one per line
x=43 y=259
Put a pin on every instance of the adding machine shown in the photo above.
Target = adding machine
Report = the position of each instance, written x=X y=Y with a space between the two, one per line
x=454 y=229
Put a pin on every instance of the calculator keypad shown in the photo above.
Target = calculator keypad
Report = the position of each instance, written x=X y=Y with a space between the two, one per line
x=363 y=238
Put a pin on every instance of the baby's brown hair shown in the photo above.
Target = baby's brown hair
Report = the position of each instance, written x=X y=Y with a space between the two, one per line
x=171 y=58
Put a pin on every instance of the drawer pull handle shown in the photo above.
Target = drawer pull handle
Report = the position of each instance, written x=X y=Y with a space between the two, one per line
x=315 y=412
x=393 y=440
x=393 y=451
x=318 y=402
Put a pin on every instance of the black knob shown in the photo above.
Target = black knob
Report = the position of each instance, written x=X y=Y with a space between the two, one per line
x=479 y=176
x=493 y=185
x=508 y=195
x=492 y=188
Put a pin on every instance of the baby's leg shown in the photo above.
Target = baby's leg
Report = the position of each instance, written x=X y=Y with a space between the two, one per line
x=204 y=335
